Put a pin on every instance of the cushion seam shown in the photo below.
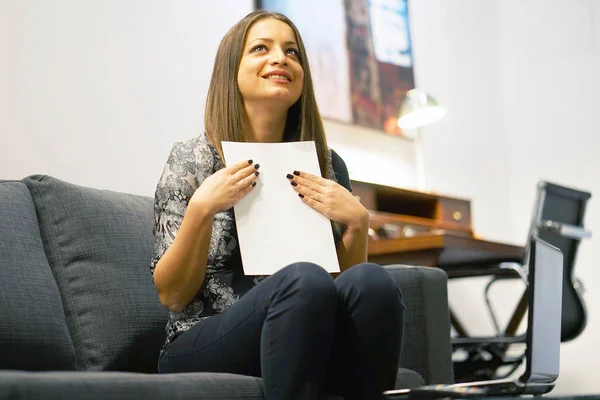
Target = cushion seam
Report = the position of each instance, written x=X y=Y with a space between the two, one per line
x=68 y=292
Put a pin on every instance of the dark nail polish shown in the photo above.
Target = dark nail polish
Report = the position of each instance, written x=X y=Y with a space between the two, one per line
x=301 y=195
x=257 y=166
x=250 y=162
x=289 y=176
x=253 y=184
x=296 y=173
x=294 y=183
x=257 y=173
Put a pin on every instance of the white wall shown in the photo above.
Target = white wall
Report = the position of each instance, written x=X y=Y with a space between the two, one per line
x=519 y=78
x=551 y=63
x=457 y=59
x=95 y=92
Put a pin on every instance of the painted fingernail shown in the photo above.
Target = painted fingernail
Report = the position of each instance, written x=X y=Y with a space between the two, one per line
x=301 y=195
x=289 y=176
x=296 y=173
x=294 y=183
x=250 y=162
x=253 y=184
x=257 y=173
x=257 y=166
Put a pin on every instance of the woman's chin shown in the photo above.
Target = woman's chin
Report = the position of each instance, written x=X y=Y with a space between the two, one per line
x=282 y=97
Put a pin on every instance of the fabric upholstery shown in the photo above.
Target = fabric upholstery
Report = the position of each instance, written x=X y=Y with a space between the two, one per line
x=406 y=378
x=33 y=330
x=99 y=245
x=427 y=348
x=127 y=386
x=83 y=265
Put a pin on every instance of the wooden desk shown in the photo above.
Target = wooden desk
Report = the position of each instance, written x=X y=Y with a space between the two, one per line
x=429 y=229
x=458 y=255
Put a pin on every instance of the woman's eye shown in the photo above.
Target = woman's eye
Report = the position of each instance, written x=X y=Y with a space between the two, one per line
x=294 y=52
x=259 y=47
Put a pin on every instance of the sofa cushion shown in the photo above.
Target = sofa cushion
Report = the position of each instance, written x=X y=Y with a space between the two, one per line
x=406 y=378
x=127 y=386
x=99 y=245
x=33 y=330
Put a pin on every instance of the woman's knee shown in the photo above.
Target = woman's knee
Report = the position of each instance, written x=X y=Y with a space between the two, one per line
x=305 y=278
x=371 y=279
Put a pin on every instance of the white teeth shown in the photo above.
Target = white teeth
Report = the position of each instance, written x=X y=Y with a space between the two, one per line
x=278 y=77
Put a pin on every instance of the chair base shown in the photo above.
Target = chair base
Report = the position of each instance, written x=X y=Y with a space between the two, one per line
x=484 y=360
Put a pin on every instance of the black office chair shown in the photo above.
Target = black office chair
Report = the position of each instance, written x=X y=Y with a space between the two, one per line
x=558 y=219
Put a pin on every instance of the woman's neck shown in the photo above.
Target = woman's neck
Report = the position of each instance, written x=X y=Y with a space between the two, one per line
x=264 y=124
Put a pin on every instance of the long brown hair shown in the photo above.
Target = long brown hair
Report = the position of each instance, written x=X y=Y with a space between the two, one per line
x=224 y=117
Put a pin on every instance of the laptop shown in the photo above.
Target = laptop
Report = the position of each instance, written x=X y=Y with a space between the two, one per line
x=542 y=354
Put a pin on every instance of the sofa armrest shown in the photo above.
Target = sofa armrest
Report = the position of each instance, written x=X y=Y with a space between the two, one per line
x=427 y=348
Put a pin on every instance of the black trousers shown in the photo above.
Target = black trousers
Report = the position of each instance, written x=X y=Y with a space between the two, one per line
x=304 y=333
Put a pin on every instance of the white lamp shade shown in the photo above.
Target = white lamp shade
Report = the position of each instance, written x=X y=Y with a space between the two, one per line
x=419 y=109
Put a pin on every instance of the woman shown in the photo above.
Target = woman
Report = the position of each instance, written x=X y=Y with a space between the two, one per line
x=300 y=330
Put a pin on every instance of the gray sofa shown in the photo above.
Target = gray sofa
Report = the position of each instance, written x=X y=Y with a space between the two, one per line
x=80 y=317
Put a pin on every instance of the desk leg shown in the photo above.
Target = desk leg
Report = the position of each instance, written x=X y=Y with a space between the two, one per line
x=458 y=326
x=517 y=317
x=513 y=323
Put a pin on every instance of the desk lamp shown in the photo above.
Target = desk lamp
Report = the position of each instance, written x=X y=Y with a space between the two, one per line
x=418 y=109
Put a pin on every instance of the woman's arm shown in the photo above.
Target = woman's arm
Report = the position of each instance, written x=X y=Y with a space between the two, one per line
x=180 y=272
x=182 y=227
x=184 y=214
x=352 y=249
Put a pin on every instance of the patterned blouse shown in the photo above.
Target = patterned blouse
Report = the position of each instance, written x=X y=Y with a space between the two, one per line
x=189 y=163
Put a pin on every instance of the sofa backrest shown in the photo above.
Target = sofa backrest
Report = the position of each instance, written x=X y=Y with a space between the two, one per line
x=33 y=329
x=99 y=244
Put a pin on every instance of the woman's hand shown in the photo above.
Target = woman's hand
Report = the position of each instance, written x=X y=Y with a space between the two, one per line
x=330 y=199
x=223 y=189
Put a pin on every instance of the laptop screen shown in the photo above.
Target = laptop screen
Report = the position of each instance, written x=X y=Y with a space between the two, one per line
x=545 y=312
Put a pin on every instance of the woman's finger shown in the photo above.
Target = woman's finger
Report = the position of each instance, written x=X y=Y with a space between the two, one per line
x=247 y=189
x=301 y=179
x=245 y=172
x=308 y=193
x=239 y=166
x=248 y=180
x=313 y=178
x=312 y=203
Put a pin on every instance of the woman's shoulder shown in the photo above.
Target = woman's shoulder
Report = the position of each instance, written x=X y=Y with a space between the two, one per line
x=337 y=162
x=198 y=144
x=334 y=157
x=193 y=159
x=340 y=171
x=194 y=150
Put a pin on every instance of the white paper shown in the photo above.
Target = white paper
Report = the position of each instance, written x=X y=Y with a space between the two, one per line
x=275 y=228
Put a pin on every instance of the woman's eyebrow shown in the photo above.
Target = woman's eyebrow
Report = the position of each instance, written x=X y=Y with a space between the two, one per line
x=269 y=40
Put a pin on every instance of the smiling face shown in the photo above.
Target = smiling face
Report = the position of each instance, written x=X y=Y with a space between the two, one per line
x=270 y=68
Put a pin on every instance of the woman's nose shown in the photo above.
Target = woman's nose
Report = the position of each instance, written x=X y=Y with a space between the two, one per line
x=278 y=57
